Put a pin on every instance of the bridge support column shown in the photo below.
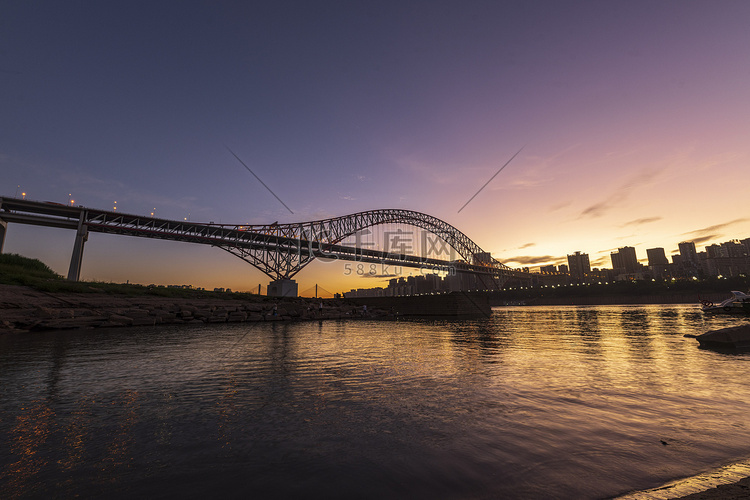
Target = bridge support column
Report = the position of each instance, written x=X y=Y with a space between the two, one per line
x=282 y=288
x=3 y=228
x=74 y=272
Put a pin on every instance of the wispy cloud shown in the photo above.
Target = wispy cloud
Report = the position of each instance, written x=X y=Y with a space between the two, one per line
x=705 y=239
x=527 y=245
x=713 y=231
x=532 y=260
x=628 y=237
x=641 y=179
x=387 y=275
x=642 y=221
x=601 y=261
x=559 y=206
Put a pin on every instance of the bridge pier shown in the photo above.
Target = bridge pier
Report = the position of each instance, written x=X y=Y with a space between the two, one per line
x=282 y=288
x=3 y=228
x=82 y=234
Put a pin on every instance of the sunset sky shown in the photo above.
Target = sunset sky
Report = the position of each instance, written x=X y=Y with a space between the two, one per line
x=633 y=116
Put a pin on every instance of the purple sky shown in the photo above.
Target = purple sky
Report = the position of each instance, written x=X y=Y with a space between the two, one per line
x=634 y=118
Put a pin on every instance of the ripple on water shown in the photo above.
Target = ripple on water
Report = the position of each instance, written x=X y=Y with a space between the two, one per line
x=558 y=402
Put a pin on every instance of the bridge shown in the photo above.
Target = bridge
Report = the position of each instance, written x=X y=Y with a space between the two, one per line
x=282 y=250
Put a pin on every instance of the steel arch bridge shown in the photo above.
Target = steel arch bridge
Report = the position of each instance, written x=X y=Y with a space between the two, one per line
x=278 y=250
x=295 y=245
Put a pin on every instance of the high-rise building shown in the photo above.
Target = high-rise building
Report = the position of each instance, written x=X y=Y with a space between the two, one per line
x=629 y=260
x=617 y=265
x=579 y=265
x=624 y=261
x=714 y=251
x=482 y=259
x=688 y=252
x=657 y=257
x=734 y=248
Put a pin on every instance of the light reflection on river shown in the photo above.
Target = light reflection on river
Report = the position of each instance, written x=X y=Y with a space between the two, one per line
x=554 y=402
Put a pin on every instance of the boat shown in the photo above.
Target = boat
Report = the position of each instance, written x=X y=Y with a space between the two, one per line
x=739 y=302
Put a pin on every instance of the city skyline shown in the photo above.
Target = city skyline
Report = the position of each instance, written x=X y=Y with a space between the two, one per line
x=630 y=119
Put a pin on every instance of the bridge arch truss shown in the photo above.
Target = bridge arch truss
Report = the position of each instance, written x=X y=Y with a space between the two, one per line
x=299 y=243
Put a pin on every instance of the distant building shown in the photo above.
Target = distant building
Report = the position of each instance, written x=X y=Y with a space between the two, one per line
x=657 y=257
x=734 y=249
x=714 y=251
x=562 y=268
x=688 y=252
x=547 y=269
x=617 y=265
x=629 y=259
x=579 y=265
x=658 y=263
x=482 y=259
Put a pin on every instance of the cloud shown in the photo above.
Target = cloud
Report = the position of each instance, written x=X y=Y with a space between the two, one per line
x=711 y=230
x=704 y=239
x=534 y=259
x=641 y=179
x=527 y=245
x=598 y=209
x=387 y=275
x=642 y=221
x=601 y=261
x=559 y=206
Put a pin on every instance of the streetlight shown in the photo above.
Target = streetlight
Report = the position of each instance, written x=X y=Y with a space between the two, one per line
x=23 y=195
x=70 y=199
x=115 y=207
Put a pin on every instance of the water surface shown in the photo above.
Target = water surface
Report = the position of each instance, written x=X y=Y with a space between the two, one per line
x=534 y=402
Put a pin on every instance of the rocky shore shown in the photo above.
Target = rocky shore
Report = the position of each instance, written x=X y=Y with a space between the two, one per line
x=24 y=309
x=734 y=491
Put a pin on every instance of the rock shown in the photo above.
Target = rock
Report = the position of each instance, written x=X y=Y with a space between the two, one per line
x=202 y=313
x=120 y=320
x=47 y=313
x=237 y=317
x=144 y=321
x=70 y=323
x=733 y=337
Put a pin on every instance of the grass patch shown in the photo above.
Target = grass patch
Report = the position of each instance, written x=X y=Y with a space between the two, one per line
x=18 y=270
x=23 y=271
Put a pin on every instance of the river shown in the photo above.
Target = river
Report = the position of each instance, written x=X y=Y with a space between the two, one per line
x=532 y=402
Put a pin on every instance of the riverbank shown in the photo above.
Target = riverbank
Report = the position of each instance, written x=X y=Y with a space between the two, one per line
x=679 y=490
x=735 y=491
x=24 y=309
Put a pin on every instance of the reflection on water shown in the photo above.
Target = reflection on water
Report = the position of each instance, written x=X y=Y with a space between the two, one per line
x=557 y=402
